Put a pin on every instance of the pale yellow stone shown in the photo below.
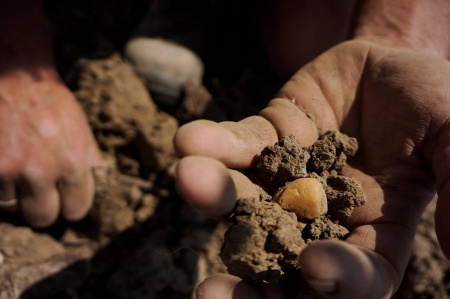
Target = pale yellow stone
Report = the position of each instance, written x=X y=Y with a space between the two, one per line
x=305 y=197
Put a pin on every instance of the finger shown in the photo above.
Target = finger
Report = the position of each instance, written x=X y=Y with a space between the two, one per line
x=337 y=270
x=238 y=144
x=235 y=144
x=373 y=255
x=76 y=193
x=436 y=146
x=8 y=199
x=77 y=185
x=224 y=286
x=210 y=187
x=438 y=153
x=288 y=120
x=38 y=200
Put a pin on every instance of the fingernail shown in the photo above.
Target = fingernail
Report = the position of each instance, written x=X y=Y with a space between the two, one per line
x=323 y=286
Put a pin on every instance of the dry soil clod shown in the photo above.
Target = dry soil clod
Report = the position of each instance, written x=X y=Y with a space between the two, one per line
x=284 y=161
x=262 y=241
x=344 y=194
x=266 y=236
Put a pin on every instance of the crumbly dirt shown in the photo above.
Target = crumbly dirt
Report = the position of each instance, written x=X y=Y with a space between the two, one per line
x=122 y=115
x=140 y=239
x=264 y=241
x=284 y=161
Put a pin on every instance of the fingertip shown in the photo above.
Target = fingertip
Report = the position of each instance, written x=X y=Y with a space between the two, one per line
x=224 y=286
x=206 y=184
x=338 y=270
x=193 y=138
x=40 y=209
x=76 y=197
x=322 y=263
x=237 y=144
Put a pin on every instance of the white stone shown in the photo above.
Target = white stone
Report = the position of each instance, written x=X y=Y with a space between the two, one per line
x=165 y=66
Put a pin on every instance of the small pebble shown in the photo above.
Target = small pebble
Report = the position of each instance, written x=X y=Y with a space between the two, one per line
x=305 y=197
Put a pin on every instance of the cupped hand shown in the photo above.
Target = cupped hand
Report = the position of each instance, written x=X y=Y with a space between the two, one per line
x=47 y=150
x=397 y=103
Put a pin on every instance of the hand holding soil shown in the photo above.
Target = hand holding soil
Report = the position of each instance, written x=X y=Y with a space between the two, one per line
x=267 y=234
x=140 y=240
x=397 y=123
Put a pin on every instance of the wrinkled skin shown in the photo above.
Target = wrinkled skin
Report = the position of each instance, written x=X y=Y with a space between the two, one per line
x=47 y=148
x=396 y=102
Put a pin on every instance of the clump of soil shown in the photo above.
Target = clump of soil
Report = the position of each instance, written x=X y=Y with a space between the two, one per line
x=282 y=162
x=126 y=122
x=264 y=241
x=140 y=240
x=267 y=236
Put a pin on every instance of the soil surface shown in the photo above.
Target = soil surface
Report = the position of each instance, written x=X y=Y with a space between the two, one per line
x=140 y=239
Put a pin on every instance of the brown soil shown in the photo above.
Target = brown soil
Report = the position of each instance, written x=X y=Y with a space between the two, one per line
x=264 y=241
x=261 y=240
x=141 y=240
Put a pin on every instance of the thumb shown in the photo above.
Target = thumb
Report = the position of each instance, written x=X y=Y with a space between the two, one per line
x=437 y=152
x=436 y=146
x=338 y=269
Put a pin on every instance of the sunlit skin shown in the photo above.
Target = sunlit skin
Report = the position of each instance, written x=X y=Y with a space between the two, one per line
x=388 y=88
x=396 y=103
x=47 y=150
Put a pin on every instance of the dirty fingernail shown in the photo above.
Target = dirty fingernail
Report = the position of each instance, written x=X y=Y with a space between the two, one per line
x=322 y=286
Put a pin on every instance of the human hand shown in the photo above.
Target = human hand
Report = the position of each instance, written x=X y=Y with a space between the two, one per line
x=47 y=151
x=395 y=102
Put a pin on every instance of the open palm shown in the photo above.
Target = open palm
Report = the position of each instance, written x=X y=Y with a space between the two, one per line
x=396 y=103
